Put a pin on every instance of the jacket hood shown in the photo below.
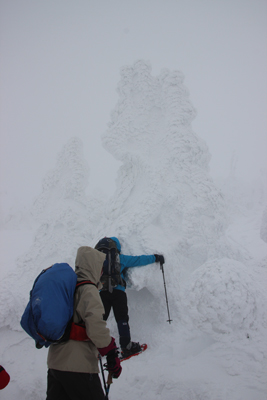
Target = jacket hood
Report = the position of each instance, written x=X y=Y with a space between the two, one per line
x=117 y=243
x=89 y=264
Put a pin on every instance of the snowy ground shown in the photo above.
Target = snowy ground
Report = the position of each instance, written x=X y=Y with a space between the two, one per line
x=180 y=363
x=213 y=236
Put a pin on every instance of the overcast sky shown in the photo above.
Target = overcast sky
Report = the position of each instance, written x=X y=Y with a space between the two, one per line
x=60 y=66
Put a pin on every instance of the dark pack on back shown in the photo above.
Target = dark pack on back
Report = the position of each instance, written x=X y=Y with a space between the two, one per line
x=111 y=276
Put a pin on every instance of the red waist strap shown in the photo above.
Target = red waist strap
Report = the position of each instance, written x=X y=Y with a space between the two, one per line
x=78 y=332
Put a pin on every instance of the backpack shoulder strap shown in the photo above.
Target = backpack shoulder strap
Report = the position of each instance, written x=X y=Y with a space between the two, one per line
x=85 y=283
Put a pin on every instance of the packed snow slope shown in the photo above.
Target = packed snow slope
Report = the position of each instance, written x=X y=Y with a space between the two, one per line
x=213 y=237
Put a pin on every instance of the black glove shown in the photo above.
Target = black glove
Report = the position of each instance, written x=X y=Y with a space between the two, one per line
x=113 y=364
x=159 y=258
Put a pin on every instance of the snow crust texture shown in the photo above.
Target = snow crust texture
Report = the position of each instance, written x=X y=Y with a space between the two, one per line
x=242 y=309
x=213 y=237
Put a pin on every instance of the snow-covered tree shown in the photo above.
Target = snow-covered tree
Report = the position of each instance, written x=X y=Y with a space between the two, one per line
x=165 y=199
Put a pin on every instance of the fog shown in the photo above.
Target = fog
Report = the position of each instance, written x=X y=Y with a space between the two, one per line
x=60 y=65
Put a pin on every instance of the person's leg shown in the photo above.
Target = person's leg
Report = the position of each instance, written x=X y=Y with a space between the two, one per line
x=75 y=386
x=120 y=309
x=55 y=390
x=107 y=302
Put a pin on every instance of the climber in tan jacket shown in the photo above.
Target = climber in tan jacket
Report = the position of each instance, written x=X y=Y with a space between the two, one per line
x=73 y=365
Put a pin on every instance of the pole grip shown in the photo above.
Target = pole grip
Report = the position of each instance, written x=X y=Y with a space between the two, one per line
x=109 y=381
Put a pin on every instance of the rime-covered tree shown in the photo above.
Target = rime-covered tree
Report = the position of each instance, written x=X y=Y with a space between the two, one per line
x=165 y=197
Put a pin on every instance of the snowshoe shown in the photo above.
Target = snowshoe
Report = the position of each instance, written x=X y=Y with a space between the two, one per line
x=135 y=349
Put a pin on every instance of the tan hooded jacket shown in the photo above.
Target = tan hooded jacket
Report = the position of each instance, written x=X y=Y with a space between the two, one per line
x=77 y=356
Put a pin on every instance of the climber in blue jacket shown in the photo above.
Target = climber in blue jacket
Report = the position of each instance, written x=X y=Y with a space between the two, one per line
x=113 y=293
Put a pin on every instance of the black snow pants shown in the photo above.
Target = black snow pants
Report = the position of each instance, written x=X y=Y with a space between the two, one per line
x=63 y=385
x=117 y=300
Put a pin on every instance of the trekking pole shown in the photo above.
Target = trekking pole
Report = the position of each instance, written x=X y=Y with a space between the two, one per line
x=109 y=382
x=161 y=267
x=103 y=376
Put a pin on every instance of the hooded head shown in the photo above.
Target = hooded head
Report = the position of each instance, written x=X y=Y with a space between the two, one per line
x=116 y=240
x=89 y=264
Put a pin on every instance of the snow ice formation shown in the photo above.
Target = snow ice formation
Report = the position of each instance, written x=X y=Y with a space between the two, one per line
x=165 y=202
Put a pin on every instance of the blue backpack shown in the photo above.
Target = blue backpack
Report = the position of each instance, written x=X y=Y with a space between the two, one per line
x=48 y=315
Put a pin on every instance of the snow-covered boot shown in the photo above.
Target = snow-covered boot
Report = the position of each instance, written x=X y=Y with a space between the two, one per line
x=132 y=348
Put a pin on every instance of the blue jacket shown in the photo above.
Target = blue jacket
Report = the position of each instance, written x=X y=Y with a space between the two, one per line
x=131 y=261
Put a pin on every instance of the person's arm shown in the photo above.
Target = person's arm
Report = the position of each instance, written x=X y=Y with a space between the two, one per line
x=136 y=261
x=91 y=311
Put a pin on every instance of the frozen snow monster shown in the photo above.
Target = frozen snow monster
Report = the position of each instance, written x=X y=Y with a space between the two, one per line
x=165 y=199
